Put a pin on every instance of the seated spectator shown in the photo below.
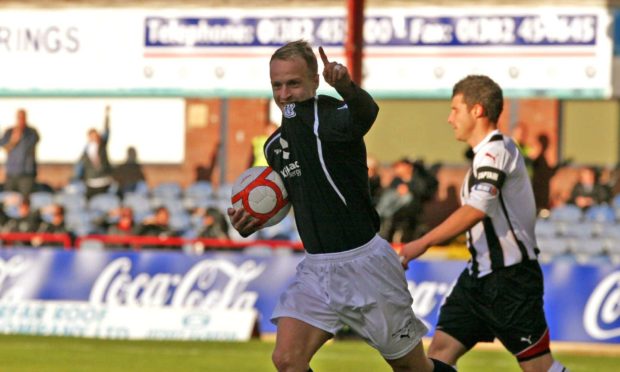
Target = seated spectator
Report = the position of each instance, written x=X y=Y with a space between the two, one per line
x=54 y=225
x=401 y=204
x=56 y=222
x=157 y=225
x=588 y=191
x=119 y=222
x=214 y=225
x=374 y=179
x=129 y=174
x=25 y=221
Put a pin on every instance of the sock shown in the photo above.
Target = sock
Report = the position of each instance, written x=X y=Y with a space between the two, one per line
x=557 y=367
x=440 y=366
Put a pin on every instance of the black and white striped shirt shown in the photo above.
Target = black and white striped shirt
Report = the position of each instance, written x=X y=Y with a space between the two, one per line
x=498 y=185
x=320 y=154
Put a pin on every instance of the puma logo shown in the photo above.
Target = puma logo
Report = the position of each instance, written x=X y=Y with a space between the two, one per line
x=527 y=339
x=489 y=155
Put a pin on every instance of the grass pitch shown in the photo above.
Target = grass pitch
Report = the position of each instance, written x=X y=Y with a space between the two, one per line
x=51 y=354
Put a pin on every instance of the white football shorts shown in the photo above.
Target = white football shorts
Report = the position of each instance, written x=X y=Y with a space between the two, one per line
x=364 y=288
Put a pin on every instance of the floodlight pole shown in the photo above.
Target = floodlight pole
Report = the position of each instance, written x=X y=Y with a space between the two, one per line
x=354 y=43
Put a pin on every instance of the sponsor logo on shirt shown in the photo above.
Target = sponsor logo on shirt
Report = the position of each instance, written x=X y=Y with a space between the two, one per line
x=291 y=170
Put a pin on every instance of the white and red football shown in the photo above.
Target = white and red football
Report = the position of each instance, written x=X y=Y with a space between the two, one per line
x=260 y=191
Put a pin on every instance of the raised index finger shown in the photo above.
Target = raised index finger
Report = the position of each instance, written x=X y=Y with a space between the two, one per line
x=323 y=56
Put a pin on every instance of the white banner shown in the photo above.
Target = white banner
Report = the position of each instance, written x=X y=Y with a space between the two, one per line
x=83 y=319
x=422 y=52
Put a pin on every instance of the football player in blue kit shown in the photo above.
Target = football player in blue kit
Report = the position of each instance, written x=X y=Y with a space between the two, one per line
x=349 y=275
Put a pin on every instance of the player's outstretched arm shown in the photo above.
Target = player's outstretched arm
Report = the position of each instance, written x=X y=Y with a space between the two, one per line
x=243 y=221
x=461 y=220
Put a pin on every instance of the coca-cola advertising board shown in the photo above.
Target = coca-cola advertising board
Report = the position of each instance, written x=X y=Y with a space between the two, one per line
x=106 y=291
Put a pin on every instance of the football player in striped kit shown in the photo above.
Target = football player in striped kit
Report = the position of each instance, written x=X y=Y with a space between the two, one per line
x=500 y=293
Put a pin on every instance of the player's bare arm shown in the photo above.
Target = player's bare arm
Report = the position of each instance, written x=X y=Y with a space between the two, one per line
x=461 y=220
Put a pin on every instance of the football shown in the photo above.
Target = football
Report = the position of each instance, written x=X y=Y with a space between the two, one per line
x=260 y=191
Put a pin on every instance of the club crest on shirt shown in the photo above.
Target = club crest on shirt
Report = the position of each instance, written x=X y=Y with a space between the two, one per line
x=289 y=111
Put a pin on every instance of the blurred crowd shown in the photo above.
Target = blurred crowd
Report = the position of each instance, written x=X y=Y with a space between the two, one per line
x=101 y=198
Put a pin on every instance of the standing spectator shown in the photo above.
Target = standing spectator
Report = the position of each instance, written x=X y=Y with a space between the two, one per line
x=20 y=144
x=129 y=174
x=94 y=167
x=588 y=191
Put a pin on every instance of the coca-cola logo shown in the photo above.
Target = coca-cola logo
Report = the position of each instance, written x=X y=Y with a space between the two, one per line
x=602 y=312
x=9 y=271
x=208 y=285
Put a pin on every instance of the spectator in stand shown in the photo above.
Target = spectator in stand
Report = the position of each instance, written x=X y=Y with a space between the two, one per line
x=119 y=222
x=214 y=225
x=588 y=191
x=129 y=174
x=94 y=167
x=26 y=221
x=374 y=179
x=55 y=224
x=20 y=144
x=411 y=187
x=157 y=225
x=520 y=136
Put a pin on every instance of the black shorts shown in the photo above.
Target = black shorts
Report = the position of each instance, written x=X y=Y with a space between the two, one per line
x=506 y=304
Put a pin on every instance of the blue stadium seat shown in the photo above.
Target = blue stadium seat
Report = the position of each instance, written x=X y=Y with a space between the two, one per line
x=589 y=247
x=553 y=246
x=199 y=190
x=545 y=228
x=180 y=222
x=41 y=199
x=71 y=201
x=566 y=213
x=601 y=213
x=139 y=203
x=104 y=202
x=169 y=189
x=224 y=191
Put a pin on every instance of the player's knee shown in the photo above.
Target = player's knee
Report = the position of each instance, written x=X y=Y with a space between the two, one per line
x=285 y=360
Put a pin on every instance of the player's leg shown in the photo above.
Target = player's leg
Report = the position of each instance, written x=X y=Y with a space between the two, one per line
x=415 y=360
x=460 y=326
x=446 y=348
x=519 y=320
x=296 y=343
